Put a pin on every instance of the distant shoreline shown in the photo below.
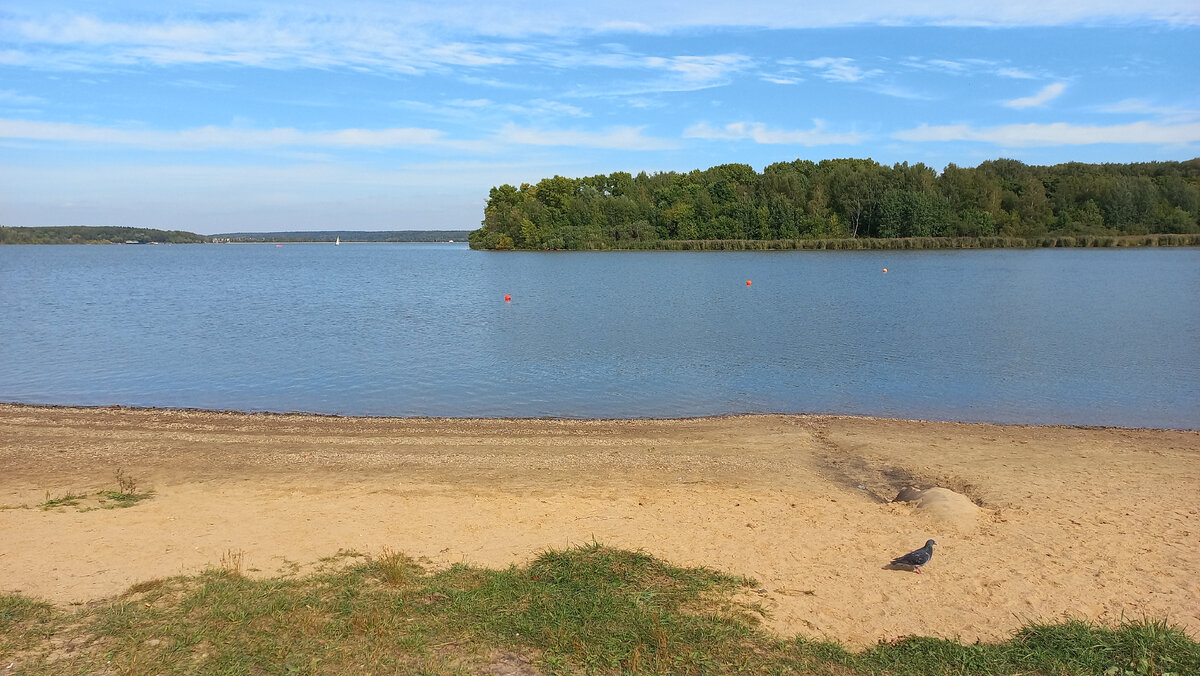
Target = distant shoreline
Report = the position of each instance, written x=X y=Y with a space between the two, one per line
x=104 y=235
x=83 y=234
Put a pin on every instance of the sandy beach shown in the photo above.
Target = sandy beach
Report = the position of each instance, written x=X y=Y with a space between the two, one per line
x=1042 y=523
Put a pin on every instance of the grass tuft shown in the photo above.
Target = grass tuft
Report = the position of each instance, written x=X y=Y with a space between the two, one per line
x=395 y=568
x=125 y=495
x=232 y=562
x=68 y=500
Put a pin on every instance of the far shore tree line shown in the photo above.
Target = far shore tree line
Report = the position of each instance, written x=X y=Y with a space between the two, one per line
x=84 y=234
x=1001 y=202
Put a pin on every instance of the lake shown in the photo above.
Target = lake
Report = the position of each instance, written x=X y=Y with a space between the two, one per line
x=1061 y=336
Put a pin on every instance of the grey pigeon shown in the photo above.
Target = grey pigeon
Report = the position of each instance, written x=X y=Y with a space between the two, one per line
x=917 y=558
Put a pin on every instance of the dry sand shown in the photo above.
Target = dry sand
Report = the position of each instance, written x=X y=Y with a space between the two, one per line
x=1093 y=523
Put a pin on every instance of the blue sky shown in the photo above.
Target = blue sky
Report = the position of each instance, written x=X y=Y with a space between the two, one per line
x=222 y=116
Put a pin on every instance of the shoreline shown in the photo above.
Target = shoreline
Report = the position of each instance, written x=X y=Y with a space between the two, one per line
x=1055 y=520
x=715 y=416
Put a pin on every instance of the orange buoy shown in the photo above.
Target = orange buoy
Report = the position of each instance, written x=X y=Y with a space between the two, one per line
x=507 y=298
x=747 y=282
x=885 y=271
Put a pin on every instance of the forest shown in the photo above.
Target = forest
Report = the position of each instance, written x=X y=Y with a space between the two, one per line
x=852 y=203
x=79 y=234
x=346 y=236
x=82 y=234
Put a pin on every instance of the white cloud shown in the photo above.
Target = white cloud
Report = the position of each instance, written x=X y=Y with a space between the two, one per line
x=201 y=138
x=839 y=69
x=657 y=73
x=898 y=92
x=413 y=36
x=946 y=65
x=1143 y=107
x=1014 y=73
x=9 y=97
x=969 y=67
x=614 y=138
x=270 y=40
x=1046 y=95
x=461 y=54
x=538 y=17
x=1056 y=134
x=477 y=109
x=12 y=57
x=534 y=16
x=702 y=69
x=543 y=106
x=759 y=133
x=668 y=73
x=624 y=27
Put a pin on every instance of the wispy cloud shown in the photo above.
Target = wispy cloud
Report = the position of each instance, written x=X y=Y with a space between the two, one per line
x=256 y=40
x=701 y=69
x=9 y=97
x=648 y=74
x=614 y=138
x=1015 y=73
x=968 y=67
x=209 y=137
x=839 y=69
x=1046 y=95
x=482 y=108
x=535 y=17
x=946 y=66
x=624 y=27
x=1144 y=107
x=408 y=36
x=760 y=133
x=897 y=91
x=1056 y=134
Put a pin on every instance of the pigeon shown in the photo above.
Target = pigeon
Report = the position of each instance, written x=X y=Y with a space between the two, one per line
x=916 y=558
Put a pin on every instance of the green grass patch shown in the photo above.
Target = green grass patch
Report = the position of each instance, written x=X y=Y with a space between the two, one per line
x=68 y=500
x=125 y=495
x=590 y=609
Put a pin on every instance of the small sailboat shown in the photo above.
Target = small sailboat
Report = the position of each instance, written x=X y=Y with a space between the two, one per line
x=337 y=241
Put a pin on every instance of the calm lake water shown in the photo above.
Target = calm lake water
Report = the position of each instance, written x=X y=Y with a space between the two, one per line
x=1075 y=336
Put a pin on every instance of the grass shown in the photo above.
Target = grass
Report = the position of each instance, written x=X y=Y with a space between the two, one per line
x=395 y=568
x=591 y=609
x=125 y=495
x=68 y=500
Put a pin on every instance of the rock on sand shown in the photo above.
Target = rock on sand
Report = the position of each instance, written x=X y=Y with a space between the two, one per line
x=944 y=504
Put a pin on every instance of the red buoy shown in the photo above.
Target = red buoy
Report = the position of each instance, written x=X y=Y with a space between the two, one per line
x=747 y=282
x=507 y=298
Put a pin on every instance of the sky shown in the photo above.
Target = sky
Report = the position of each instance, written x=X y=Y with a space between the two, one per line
x=219 y=116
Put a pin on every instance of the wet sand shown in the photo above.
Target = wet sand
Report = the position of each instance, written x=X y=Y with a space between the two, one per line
x=1092 y=523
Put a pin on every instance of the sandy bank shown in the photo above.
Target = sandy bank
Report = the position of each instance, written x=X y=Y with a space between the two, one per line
x=1098 y=523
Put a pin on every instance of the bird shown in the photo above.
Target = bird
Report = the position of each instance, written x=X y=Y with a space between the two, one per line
x=917 y=557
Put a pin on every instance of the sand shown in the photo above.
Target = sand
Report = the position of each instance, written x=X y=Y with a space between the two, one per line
x=1037 y=523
